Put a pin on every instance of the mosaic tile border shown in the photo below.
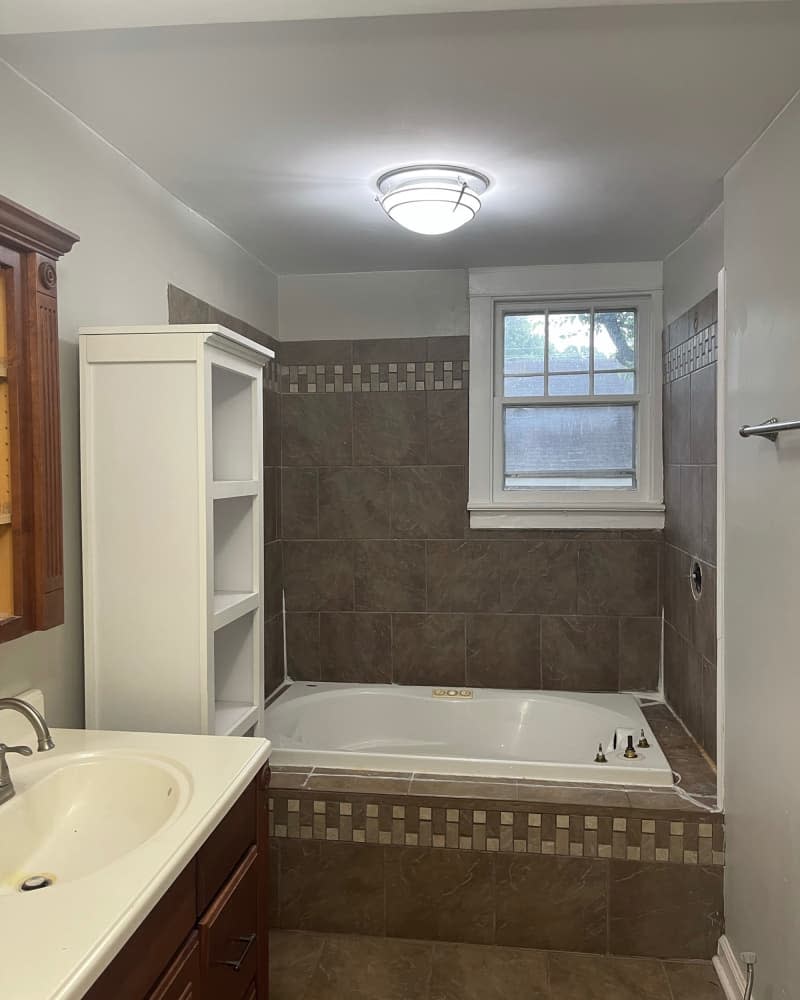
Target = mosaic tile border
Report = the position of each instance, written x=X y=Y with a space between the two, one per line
x=626 y=838
x=386 y=376
x=695 y=353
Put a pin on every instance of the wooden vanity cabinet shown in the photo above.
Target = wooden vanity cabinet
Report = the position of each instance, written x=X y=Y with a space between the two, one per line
x=206 y=939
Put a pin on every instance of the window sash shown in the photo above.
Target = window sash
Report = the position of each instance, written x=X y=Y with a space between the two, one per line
x=576 y=497
x=546 y=309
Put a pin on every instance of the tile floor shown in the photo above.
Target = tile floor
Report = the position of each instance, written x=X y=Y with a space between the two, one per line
x=342 y=967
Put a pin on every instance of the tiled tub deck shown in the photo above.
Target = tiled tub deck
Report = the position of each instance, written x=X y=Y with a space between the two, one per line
x=566 y=868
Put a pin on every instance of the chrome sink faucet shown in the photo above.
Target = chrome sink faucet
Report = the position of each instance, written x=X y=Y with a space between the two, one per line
x=44 y=742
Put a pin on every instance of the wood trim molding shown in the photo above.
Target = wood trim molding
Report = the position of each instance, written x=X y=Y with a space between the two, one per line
x=28 y=232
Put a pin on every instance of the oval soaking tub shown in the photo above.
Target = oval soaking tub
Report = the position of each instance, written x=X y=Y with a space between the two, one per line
x=545 y=735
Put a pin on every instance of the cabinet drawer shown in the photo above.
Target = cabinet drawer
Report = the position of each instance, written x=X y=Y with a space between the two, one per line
x=228 y=934
x=225 y=847
x=181 y=981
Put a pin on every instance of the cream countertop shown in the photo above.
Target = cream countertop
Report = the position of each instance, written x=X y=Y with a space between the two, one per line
x=56 y=942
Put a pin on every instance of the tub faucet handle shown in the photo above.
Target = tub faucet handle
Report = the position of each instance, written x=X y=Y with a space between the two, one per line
x=643 y=744
x=630 y=752
x=600 y=757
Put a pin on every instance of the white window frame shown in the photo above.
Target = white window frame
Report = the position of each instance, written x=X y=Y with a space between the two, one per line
x=493 y=292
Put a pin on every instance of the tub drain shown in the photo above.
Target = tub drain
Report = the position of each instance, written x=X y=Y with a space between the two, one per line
x=34 y=882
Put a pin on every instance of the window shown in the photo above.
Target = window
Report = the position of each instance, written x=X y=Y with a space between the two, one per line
x=565 y=431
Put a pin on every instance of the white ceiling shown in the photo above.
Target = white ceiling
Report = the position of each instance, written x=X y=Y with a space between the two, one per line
x=25 y=16
x=606 y=132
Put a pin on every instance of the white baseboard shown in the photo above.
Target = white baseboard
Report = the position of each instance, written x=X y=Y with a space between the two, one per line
x=730 y=974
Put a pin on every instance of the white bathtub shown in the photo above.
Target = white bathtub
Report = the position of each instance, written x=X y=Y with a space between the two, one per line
x=519 y=734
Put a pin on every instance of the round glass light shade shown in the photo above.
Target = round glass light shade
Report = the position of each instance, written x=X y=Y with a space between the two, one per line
x=431 y=200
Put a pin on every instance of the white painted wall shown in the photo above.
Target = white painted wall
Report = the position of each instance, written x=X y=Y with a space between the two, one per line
x=373 y=304
x=135 y=239
x=762 y=544
x=690 y=271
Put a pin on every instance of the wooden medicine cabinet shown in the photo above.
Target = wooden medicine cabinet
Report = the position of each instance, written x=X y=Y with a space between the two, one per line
x=31 y=560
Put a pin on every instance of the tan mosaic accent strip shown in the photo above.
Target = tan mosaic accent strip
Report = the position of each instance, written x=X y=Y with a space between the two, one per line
x=624 y=838
x=388 y=376
x=695 y=353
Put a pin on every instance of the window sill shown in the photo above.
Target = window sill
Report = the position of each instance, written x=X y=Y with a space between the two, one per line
x=643 y=517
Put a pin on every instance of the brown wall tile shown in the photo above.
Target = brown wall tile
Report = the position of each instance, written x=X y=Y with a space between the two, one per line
x=678 y=598
x=391 y=349
x=272 y=490
x=689 y=529
x=463 y=576
x=273 y=654
x=665 y=911
x=640 y=654
x=389 y=428
x=503 y=651
x=708 y=518
x=186 y=308
x=448 y=348
x=618 y=577
x=356 y=648
x=428 y=649
x=390 y=576
x=299 y=503
x=428 y=501
x=318 y=575
x=273 y=578
x=704 y=617
x=354 y=503
x=678 y=421
x=439 y=895
x=580 y=654
x=709 y=740
x=329 y=887
x=539 y=576
x=447 y=423
x=302 y=646
x=317 y=429
x=317 y=352
x=703 y=423
x=683 y=681
x=551 y=902
x=273 y=408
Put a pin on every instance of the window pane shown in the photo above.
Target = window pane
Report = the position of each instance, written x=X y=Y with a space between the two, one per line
x=610 y=383
x=568 y=385
x=523 y=344
x=533 y=385
x=568 y=342
x=570 y=447
x=615 y=339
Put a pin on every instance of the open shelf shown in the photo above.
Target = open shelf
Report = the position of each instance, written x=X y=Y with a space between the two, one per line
x=232 y=402
x=234 y=545
x=234 y=718
x=228 y=605
x=235 y=657
x=231 y=488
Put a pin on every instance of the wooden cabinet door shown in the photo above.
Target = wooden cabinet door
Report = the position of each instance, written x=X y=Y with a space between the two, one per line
x=229 y=944
x=181 y=981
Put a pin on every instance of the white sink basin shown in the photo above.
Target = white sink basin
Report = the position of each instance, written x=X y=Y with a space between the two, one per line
x=77 y=814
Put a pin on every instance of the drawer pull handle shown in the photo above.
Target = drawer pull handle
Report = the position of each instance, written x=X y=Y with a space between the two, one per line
x=247 y=941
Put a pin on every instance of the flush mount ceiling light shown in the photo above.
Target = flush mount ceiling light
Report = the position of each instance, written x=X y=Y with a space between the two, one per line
x=431 y=199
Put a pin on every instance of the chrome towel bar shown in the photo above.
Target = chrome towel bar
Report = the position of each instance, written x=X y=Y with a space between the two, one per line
x=769 y=429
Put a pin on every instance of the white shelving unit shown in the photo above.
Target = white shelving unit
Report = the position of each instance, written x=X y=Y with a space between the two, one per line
x=173 y=537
